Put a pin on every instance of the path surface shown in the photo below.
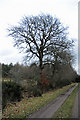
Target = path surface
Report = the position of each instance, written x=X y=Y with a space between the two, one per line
x=49 y=110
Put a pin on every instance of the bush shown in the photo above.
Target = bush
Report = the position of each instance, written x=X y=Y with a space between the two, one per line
x=33 y=90
x=63 y=82
x=11 y=91
x=37 y=92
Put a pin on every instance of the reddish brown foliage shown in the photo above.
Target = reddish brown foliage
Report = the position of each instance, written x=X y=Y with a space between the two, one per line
x=44 y=81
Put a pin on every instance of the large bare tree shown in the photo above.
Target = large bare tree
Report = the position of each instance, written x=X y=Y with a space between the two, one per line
x=42 y=37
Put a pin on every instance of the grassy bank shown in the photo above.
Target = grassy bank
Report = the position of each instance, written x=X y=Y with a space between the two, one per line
x=65 y=110
x=27 y=106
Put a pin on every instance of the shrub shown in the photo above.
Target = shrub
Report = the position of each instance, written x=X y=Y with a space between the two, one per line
x=33 y=89
x=63 y=82
x=11 y=91
x=37 y=92
x=44 y=82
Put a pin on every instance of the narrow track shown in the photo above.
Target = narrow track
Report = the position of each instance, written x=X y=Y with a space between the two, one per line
x=49 y=110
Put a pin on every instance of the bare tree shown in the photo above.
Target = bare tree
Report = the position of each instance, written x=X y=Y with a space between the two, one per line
x=18 y=73
x=40 y=37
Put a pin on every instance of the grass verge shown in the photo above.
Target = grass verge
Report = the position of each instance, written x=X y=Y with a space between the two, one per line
x=65 y=111
x=27 y=106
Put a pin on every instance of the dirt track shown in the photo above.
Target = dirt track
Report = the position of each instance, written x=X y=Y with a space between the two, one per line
x=49 y=110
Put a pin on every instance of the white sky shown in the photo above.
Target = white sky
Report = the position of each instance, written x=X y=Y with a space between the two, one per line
x=11 y=11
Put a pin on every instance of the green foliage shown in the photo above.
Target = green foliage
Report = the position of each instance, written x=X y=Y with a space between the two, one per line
x=11 y=91
x=37 y=92
x=33 y=89
x=77 y=78
x=61 y=83
x=5 y=69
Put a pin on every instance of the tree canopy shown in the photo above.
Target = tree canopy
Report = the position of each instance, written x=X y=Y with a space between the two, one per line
x=42 y=37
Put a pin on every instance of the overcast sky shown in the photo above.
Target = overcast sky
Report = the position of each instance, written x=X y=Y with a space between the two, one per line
x=11 y=11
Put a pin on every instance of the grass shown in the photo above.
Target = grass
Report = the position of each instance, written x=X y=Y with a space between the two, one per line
x=27 y=106
x=6 y=79
x=65 y=110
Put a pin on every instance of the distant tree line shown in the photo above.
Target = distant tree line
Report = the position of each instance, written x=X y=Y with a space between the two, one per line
x=5 y=70
x=63 y=75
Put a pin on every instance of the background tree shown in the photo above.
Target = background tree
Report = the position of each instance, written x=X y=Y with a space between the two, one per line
x=18 y=73
x=5 y=70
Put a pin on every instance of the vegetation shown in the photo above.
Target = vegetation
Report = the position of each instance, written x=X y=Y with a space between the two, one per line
x=5 y=70
x=45 y=41
x=29 y=77
x=65 y=110
x=11 y=92
x=25 y=107
x=43 y=37
x=77 y=78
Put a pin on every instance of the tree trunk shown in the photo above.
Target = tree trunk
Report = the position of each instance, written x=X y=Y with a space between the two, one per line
x=41 y=70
